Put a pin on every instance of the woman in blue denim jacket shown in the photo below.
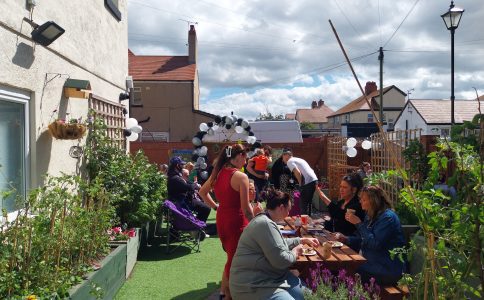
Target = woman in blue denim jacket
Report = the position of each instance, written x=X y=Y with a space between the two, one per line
x=379 y=233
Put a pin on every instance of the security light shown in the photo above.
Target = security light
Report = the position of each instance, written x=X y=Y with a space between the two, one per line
x=46 y=33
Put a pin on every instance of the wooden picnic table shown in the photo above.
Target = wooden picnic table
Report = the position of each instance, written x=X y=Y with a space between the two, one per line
x=341 y=258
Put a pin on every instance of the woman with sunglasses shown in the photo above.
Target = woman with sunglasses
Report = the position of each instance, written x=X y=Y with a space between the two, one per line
x=378 y=234
x=349 y=189
x=234 y=211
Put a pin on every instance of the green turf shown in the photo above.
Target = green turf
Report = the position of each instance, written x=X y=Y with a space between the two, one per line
x=180 y=275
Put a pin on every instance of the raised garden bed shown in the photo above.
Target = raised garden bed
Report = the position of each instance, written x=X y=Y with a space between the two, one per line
x=132 y=247
x=109 y=278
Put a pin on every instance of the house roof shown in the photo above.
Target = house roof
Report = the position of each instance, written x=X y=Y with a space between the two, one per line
x=360 y=102
x=161 y=68
x=313 y=115
x=437 y=111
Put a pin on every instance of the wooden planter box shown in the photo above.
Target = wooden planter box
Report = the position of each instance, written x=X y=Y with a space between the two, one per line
x=110 y=277
x=132 y=247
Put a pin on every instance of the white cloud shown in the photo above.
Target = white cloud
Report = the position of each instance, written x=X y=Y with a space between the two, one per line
x=283 y=54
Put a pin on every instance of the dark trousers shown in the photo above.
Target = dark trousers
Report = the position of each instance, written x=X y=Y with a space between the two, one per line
x=306 y=201
x=202 y=210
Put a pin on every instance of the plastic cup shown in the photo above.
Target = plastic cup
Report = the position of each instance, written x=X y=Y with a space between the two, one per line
x=304 y=219
x=351 y=211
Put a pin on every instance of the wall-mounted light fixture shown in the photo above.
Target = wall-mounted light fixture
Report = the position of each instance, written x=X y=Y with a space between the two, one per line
x=46 y=33
x=129 y=90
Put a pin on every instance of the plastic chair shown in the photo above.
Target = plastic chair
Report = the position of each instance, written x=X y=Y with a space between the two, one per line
x=183 y=227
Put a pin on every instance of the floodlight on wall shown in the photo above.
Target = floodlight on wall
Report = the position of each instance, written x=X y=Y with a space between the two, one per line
x=46 y=33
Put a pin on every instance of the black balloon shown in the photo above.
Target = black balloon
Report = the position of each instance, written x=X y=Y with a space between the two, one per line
x=210 y=124
x=228 y=126
x=218 y=119
x=239 y=121
x=257 y=145
x=200 y=134
x=247 y=128
x=251 y=133
x=194 y=157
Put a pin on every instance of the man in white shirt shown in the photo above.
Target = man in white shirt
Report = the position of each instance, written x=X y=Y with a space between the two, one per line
x=305 y=176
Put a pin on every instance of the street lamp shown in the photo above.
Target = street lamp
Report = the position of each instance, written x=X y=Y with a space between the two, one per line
x=451 y=19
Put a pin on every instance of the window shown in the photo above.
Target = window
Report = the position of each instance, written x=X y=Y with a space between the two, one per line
x=347 y=118
x=370 y=118
x=112 y=6
x=390 y=123
x=337 y=119
x=137 y=97
x=444 y=132
x=14 y=145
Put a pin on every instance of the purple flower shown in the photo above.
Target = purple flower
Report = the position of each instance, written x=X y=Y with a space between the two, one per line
x=342 y=275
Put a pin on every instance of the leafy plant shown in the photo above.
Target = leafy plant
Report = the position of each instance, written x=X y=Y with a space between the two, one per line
x=324 y=285
x=416 y=156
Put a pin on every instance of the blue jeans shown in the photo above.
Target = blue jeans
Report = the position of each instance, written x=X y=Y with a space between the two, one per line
x=294 y=292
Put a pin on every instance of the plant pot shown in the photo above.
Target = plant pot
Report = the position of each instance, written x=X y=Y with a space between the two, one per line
x=110 y=277
x=66 y=131
x=132 y=247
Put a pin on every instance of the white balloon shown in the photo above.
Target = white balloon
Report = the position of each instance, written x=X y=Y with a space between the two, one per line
x=204 y=175
x=203 y=127
x=200 y=160
x=196 y=151
x=251 y=139
x=203 y=151
x=351 y=152
x=196 y=141
x=366 y=144
x=351 y=142
x=234 y=119
x=132 y=137
x=131 y=122
x=203 y=166
x=136 y=129
x=228 y=120
x=245 y=124
x=215 y=128
x=239 y=129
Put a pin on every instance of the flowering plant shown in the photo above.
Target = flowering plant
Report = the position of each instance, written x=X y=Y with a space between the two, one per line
x=324 y=285
x=118 y=234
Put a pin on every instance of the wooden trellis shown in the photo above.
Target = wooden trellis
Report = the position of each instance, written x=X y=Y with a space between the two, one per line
x=381 y=160
x=337 y=164
x=112 y=114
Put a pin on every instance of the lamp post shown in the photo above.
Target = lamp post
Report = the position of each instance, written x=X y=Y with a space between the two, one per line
x=451 y=19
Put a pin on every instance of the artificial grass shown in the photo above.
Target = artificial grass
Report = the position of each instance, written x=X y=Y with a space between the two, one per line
x=179 y=275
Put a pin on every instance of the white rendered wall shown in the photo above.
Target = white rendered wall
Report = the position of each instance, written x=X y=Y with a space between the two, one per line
x=94 y=47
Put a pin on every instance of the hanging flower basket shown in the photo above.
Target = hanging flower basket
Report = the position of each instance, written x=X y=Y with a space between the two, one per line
x=67 y=131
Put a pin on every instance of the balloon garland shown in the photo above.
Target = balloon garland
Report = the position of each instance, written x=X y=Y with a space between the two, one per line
x=220 y=124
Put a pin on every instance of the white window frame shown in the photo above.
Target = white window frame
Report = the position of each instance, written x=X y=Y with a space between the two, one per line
x=22 y=97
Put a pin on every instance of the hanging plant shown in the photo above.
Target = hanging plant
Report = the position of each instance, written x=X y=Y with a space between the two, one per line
x=71 y=130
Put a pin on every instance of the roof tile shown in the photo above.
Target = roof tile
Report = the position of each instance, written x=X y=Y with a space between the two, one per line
x=161 y=68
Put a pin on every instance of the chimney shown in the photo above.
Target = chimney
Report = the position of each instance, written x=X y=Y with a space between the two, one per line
x=370 y=87
x=192 y=45
x=320 y=103
x=314 y=104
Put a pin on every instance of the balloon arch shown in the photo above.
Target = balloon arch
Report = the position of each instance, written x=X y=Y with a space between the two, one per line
x=227 y=125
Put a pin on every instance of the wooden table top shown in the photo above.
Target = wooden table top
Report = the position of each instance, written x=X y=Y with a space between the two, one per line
x=341 y=258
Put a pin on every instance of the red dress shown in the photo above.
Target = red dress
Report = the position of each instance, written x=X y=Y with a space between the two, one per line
x=231 y=221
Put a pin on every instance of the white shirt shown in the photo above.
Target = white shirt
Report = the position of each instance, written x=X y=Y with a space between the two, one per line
x=306 y=171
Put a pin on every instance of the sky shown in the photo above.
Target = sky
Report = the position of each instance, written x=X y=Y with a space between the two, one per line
x=260 y=56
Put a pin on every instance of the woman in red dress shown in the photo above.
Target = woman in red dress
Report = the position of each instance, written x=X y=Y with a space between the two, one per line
x=234 y=211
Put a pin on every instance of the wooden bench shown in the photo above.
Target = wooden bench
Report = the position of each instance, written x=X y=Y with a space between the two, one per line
x=394 y=292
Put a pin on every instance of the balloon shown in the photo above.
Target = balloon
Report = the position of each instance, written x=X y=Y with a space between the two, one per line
x=203 y=166
x=351 y=142
x=200 y=160
x=239 y=129
x=228 y=120
x=228 y=126
x=215 y=128
x=203 y=151
x=131 y=122
x=234 y=119
x=366 y=144
x=351 y=152
x=196 y=141
x=251 y=139
x=245 y=124
x=218 y=119
x=203 y=127
x=209 y=124
x=204 y=175
x=210 y=131
x=132 y=137
x=239 y=121
x=136 y=129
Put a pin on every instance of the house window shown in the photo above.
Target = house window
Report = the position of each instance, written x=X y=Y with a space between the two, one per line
x=113 y=7
x=444 y=132
x=13 y=148
x=347 y=118
x=137 y=97
x=337 y=119
x=391 y=124
x=370 y=118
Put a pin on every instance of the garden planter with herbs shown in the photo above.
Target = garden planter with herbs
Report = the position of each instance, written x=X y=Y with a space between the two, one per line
x=132 y=239
x=105 y=282
x=67 y=131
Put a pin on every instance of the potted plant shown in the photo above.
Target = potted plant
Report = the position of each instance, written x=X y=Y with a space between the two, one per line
x=71 y=129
